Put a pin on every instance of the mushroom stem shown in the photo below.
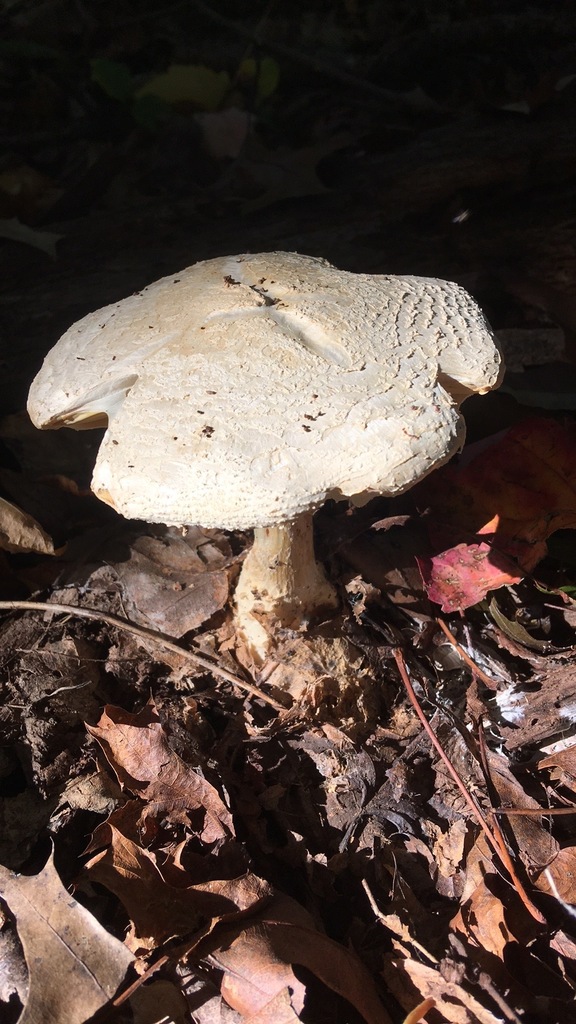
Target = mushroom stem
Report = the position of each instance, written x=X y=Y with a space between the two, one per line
x=281 y=581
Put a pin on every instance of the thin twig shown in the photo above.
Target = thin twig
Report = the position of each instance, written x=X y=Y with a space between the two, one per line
x=495 y=841
x=542 y=812
x=144 y=633
x=382 y=918
x=490 y=683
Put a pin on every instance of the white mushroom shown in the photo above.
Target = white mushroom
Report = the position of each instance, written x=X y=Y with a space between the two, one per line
x=244 y=391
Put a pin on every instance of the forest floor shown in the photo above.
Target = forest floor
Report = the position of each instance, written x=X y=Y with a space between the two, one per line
x=378 y=823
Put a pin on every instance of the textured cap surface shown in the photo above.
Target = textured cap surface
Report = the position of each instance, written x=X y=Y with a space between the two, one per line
x=246 y=389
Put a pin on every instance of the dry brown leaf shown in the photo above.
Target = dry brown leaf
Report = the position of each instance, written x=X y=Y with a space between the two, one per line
x=13 y=970
x=453 y=1004
x=562 y=765
x=137 y=749
x=559 y=878
x=176 y=582
x=20 y=532
x=564 y=759
x=254 y=976
x=278 y=1011
x=482 y=919
x=410 y=980
x=75 y=965
x=536 y=846
x=490 y=916
x=159 y=1003
x=564 y=945
x=96 y=792
x=257 y=962
x=448 y=854
x=159 y=911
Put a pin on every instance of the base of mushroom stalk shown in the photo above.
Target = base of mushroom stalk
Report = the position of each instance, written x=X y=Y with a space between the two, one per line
x=281 y=585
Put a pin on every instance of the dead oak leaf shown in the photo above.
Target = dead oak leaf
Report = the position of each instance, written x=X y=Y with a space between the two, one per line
x=75 y=965
x=137 y=748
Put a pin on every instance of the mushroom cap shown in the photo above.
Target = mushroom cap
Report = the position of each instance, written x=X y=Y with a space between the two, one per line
x=247 y=389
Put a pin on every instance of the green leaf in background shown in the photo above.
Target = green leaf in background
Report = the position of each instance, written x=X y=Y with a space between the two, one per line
x=266 y=72
x=189 y=83
x=113 y=78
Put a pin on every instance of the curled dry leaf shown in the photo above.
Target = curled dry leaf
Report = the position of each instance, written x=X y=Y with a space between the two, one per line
x=137 y=749
x=20 y=531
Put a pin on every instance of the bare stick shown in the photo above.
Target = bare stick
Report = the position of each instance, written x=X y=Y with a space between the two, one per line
x=145 y=634
x=490 y=683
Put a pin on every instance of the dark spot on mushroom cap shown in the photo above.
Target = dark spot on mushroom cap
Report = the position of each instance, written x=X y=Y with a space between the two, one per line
x=207 y=431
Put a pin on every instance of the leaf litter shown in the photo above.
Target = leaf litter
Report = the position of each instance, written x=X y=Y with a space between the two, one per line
x=294 y=843
x=340 y=808
x=301 y=840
